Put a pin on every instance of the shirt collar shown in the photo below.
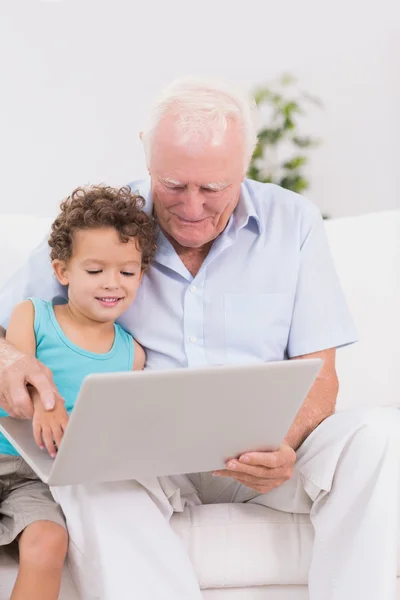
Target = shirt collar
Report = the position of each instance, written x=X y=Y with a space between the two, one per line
x=245 y=210
x=143 y=188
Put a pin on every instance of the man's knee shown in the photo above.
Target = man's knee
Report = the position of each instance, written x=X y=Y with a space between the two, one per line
x=380 y=426
x=372 y=442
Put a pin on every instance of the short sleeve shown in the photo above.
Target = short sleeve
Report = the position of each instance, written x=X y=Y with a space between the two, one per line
x=321 y=318
x=34 y=279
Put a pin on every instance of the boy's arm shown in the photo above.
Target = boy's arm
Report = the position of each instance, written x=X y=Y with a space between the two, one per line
x=48 y=426
x=140 y=357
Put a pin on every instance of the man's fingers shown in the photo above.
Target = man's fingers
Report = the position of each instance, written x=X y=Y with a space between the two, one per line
x=271 y=460
x=254 y=483
x=22 y=404
x=47 y=436
x=5 y=405
x=235 y=466
x=45 y=388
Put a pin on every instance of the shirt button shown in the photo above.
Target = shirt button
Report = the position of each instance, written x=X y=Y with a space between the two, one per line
x=193 y=339
x=193 y=288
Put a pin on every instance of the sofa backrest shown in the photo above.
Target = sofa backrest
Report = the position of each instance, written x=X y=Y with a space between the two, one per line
x=366 y=251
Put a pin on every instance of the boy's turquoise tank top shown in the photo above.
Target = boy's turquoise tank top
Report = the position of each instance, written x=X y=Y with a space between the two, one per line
x=69 y=363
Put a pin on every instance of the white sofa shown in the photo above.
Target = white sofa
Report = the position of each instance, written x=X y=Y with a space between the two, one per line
x=247 y=552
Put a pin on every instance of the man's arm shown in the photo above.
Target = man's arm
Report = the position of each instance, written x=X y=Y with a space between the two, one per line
x=320 y=402
x=264 y=471
x=19 y=367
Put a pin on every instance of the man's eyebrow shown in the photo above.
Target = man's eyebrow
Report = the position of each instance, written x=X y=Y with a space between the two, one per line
x=216 y=185
x=171 y=181
x=212 y=185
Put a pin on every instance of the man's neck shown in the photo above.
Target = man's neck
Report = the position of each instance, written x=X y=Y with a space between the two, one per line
x=192 y=258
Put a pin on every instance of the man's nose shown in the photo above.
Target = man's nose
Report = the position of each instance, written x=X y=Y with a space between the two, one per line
x=193 y=205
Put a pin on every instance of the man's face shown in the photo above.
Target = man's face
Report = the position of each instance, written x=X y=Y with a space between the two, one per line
x=195 y=184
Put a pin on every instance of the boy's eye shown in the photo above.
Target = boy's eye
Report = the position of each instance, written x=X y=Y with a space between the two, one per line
x=94 y=272
x=127 y=273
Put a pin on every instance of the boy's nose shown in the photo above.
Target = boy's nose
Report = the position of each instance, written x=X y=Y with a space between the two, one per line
x=111 y=284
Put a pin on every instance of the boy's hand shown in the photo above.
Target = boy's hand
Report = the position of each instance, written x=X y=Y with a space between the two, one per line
x=49 y=425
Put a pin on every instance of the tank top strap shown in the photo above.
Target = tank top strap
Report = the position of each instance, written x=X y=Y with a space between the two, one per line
x=41 y=321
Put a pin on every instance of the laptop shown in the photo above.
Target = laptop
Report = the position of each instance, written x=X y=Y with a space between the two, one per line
x=153 y=423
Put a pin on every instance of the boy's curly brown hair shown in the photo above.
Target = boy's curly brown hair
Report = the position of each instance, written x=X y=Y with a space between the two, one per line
x=103 y=206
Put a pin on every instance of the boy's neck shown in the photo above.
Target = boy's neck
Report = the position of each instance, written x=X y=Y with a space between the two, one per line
x=88 y=334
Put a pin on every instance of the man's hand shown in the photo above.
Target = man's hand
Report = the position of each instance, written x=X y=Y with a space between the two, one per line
x=49 y=426
x=262 y=471
x=17 y=370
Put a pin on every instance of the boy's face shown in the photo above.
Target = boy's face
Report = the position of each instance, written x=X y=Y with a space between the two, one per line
x=103 y=273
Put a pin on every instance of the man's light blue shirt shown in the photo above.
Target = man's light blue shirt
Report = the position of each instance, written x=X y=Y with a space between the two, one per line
x=267 y=290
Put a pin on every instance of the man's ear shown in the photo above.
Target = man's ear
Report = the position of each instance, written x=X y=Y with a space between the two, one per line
x=141 y=138
x=60 y=271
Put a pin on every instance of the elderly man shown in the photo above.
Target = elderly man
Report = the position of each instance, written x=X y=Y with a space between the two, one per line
x=243 y=273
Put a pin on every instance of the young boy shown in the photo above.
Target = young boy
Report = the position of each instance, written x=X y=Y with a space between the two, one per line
x=101 y=243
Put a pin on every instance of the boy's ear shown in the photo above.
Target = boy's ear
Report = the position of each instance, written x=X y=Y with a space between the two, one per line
x=60 y=271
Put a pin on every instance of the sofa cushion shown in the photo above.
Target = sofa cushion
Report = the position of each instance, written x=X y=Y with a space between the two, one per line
x=222 y=538
x=239 y=545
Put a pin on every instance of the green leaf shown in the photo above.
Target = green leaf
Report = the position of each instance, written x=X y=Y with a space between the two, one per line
x=288 y=124
x=267 y=179
x=254 y=173
x=258 y=151
x=291 y=107
x=270 y=135
x=287 y=79
x=262 y=94
x=295 y=183
x=295 y=162
x=305 y=141
x=277 y=100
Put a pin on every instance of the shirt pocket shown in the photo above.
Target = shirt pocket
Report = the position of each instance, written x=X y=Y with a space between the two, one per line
x=257 y=326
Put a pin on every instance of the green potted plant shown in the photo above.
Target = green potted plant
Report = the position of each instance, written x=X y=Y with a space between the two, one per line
x=282 y=151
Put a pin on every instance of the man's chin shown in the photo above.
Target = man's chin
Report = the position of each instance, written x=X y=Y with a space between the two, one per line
x=192 y=241
x=189 y=238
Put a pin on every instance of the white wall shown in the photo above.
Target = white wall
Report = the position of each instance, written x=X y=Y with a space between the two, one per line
x=76 y=78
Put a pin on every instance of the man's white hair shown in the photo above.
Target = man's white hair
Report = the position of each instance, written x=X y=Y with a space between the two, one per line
x=203 y=108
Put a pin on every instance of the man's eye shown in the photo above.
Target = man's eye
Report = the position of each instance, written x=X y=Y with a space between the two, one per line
x=128 y=274
x=175 y=189
x=210 y=190
x=94 y=272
